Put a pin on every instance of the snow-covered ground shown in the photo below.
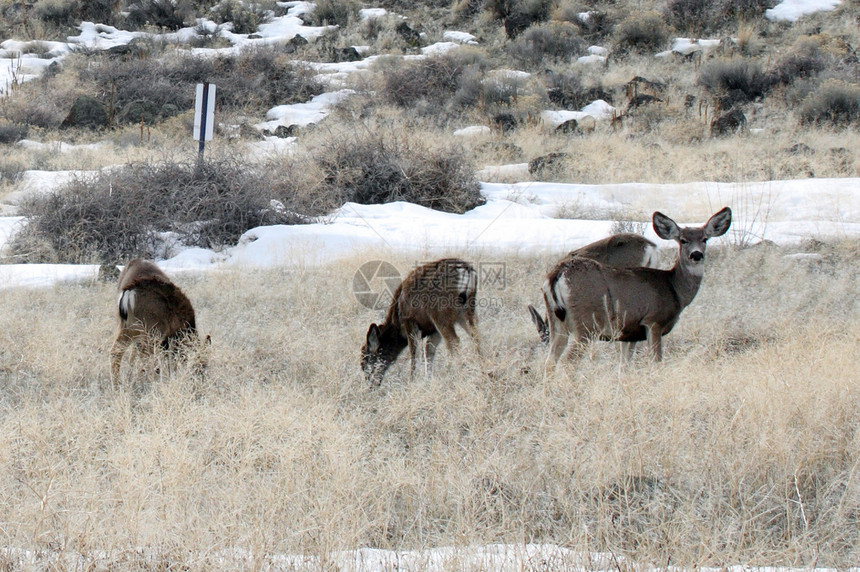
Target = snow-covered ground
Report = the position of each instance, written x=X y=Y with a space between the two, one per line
x=518 y=219
x=495 y=557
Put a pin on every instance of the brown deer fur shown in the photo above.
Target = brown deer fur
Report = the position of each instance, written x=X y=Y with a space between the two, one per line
x=590 y=300
x=429 y=302
x=623 y=250
x=152 y=311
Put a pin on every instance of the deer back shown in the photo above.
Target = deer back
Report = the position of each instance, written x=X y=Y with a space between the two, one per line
x=150 y=301
x=624 y=250
x=439 y=292
x=609 y=302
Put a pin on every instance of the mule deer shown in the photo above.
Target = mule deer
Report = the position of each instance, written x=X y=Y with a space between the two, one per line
x=624 y=250
x=590 y=300
x=152 y=312
x=429 y=302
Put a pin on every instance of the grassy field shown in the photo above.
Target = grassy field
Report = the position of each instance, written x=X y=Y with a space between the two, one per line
x=741 y=447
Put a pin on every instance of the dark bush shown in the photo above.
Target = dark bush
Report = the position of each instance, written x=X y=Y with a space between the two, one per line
x=69 y=13
x=263 y=78
x=12 y=132
x=692 y=17
x=645 y=32
x=499 y=9
x=332 y=13
x=255 y=79
x=168 y=14
x=595 y=27
x=745 y=10
x=57 y=12
x=697 y=17
x=159 y=82
x=567 y=91
x=245 y=18
x=88 y=113
x=431 y=82
x=835 y=103
x=551 y=41
x=121 y=213
x=534 y=10
x=732 y=122
x=466 y=9
x=805 y=59
x=375 y=169
x=733 y=81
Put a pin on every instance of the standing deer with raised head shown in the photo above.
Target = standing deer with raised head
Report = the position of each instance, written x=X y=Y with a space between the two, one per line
x=623 y=250
x=153 y=312
x=590 y=300
x=429 y=302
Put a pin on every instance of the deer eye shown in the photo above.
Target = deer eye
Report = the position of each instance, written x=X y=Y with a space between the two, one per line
x=684 y=241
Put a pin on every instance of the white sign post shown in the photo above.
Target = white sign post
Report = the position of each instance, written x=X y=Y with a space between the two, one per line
x=204 y=115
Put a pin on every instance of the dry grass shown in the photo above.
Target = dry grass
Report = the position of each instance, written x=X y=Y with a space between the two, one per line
x=740 y=448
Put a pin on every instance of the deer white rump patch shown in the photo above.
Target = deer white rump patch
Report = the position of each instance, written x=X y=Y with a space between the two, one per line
x=126 y=302
x=467 y=280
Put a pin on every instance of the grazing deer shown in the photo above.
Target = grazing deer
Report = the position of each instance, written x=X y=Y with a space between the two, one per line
x=590 y=300
x=152 y=312
x=624 y=250
x=428 y=304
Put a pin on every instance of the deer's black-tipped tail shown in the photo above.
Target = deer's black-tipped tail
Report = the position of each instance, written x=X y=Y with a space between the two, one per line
x=554 y=301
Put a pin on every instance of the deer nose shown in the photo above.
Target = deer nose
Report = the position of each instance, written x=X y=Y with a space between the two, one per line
x=697 y=256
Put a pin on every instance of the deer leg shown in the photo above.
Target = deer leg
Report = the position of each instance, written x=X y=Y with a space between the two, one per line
x=471 y=326
x=120 y=344
x=557 y=345
x=452 y=342
x=627 y=351
x=430 y=352
x=655 y=342
x=414 y=339
x=576 y=347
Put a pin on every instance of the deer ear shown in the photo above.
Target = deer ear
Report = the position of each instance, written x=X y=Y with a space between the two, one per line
x=373 y=339
x=666 y=228
x=537 y=318
x=718 y=224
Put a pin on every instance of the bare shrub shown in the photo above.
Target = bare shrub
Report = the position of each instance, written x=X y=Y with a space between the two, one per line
x=550 y=41
x=566 y=90
x=690 y=16
x=253 y=79
x=262 y=78
x=805 y=59
x=744 y=10
x=69 y=13
x=835 y=103
x=733 y=81
x=168 y=14
x=378 y=169
x=135 y=211
x=332 y=13
x=433 y=79
x=644 y=32
x=594 y=25
x=12 y=132
x=435 y=85
x=697 y=17
x=245 y=18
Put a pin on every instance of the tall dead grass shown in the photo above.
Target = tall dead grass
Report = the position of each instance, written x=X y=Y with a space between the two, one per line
x=741 y=447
